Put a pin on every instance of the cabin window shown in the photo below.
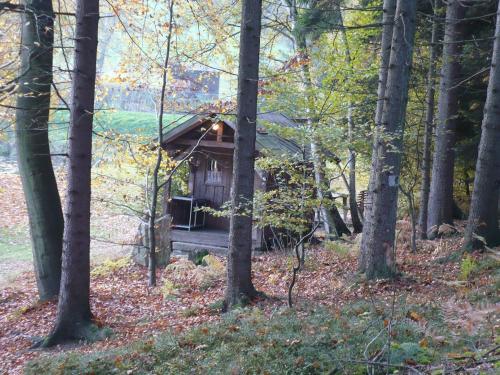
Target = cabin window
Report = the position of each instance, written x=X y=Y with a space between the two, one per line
x=214 y=173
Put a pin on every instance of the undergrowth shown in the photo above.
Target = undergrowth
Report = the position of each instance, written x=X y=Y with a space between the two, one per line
x=109 y=266
x=316 y=341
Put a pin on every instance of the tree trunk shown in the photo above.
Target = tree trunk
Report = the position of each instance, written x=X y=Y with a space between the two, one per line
x=353 y=205
x=441 y=191
x=32 y=137
x=321 y=183
x=385 y=48
x=159 y=157
x=340 y=225
x=483 y=214
x=429 y=124
x=239 y=264
x=379 y=240
x=74 y=318
x=411 y=211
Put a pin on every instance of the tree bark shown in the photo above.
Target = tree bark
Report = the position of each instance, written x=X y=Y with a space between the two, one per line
x=74 y=318
x=32 y=138
x=340 y=225
x=483 y=214
x=389 y=9
x=239 y=265
x=429 y=124
x=441 y=191
x=379 y=240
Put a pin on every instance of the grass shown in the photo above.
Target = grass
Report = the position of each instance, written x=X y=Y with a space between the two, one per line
x=127 y=123
x=249 y=342
x=15 y=244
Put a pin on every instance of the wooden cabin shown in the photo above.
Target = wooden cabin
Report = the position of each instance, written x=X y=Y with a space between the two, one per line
x=209 y=143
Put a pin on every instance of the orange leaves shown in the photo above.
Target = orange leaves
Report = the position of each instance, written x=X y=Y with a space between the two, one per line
x=416 y=317
x=233 y=328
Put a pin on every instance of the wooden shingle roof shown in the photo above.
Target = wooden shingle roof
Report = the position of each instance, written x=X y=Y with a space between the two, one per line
x=267 y=141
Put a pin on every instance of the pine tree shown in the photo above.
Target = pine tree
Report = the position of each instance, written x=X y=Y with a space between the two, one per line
x=32 y=138
x=378 y=242
x=239 y=264
x=74 y=318
x=441 y=192
x=482 y=227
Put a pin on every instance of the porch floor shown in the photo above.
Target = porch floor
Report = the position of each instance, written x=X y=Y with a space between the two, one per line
x=203 y=237
x=215 y=241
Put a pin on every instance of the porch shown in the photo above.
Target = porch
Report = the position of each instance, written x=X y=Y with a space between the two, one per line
x=215 y=241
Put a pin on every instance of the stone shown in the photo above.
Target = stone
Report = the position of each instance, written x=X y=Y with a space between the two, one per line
x=140 y=251
x=446 y=230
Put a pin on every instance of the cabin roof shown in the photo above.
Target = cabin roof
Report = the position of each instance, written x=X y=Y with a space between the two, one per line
x=266 y=140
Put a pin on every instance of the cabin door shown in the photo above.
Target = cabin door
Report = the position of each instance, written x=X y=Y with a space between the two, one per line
x=213 y=183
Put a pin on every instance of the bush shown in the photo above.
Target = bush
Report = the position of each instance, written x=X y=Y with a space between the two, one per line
x=467 y=267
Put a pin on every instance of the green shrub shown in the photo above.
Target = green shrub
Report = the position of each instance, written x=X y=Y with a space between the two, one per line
x=198 y=257
x=467 y=267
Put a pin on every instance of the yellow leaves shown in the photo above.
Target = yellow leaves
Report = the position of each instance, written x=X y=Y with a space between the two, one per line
x=168 y=289
x=416 y=317
x=213 y=263
x=424 y=343
x=110 y=266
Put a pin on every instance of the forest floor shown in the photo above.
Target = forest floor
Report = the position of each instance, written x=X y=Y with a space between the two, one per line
x=446 y=313
x=463 y=292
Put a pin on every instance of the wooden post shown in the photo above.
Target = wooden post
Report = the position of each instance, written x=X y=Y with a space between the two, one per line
x=220 y=130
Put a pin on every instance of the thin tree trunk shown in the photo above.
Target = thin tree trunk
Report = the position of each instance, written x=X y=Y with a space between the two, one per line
x=411 y=210
x=156 y=186
x=389 y=8
x=320 y=181
x=441 y=192
x=429 y=124
x=32 y=137
x=318 y=164
x=239 y=265
x=483 y=214
x=74 y=318
x=379 y=240
x=353 y=205
x=340 y=225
